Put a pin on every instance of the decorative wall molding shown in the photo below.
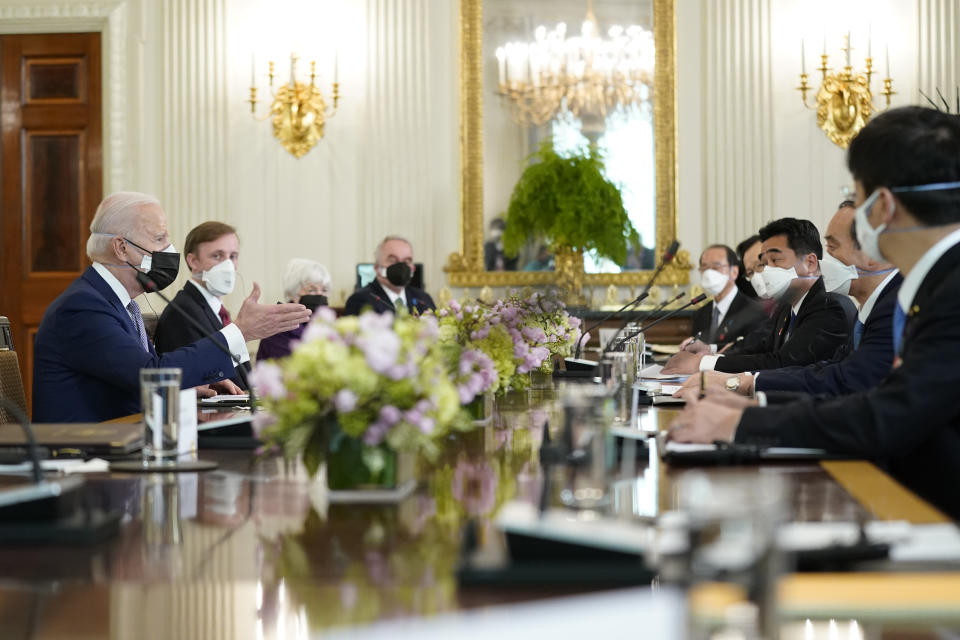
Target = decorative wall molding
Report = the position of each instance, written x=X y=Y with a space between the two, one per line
x=938 y=54
x=110 y=19
x=738 y=134
x=194 y=112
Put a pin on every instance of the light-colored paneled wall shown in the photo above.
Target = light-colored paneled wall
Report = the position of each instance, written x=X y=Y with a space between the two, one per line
x=178 y=125
x=749 y=150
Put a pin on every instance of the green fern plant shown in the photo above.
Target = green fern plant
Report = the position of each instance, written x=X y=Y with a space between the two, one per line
x=569 y=202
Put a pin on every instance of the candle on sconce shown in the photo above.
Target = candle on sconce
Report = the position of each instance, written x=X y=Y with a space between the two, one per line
x=869 y=41
x=848 y=48
x=336 y=67
x=502 y=66
x=293 y=69
x=824 y=44
x=803 y=58
x=253 y=69
x=888 y=61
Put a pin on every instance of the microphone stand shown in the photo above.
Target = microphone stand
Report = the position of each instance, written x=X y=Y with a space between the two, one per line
x=613 y=342
x=700 y=298
x=635 y=301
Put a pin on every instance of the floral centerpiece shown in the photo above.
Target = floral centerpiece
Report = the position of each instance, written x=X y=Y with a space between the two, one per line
x=501 y=344
x=357 y=390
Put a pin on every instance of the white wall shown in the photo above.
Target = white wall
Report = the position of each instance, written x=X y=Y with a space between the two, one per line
x=749 y=150
x=178 y=124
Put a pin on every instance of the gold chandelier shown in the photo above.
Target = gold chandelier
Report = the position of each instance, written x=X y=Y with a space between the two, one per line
x=845 y=98
x=586 y=76
x=298 y=110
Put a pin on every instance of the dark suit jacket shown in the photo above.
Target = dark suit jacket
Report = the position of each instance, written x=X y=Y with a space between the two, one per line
x=173 y=331
x=743 y=316
x=88 y=356
x=859 y=370
x=910 y=422
x=822 y=326
x=374 y=297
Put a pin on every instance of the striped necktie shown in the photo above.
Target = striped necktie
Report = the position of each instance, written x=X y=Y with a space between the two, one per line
x=137 y=317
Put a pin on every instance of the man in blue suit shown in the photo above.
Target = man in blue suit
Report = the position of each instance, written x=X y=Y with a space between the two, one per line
x=875 y=287
x=91 y=343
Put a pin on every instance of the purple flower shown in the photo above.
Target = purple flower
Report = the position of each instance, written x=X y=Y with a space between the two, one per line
x=325 y=314
x=390 y=415
x=380 y=349
x=375 y=433
x=345 y=400
x=267 y=379
x=262 y=420
x=534 y=334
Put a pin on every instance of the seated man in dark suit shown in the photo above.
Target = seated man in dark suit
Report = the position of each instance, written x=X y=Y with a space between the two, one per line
x=211 y=251
x=875 y=287
x=391 y=291
x=809 y=324
x=906 y=167
x=91 y=343
x=731 y=315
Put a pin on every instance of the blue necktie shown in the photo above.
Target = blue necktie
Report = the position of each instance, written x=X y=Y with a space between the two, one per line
x=857 y=334
x=899 y=321
x=793 y=319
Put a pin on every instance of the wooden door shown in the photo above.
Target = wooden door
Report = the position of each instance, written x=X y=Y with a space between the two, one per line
x=52 y=173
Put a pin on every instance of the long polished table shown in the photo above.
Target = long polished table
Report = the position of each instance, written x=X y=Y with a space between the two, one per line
x=256 y=549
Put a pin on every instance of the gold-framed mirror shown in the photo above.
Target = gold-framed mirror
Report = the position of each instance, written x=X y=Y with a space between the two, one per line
x=466 y=268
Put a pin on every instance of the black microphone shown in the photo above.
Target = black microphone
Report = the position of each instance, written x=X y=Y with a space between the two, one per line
x=151 y=287
x=668 y=256
x=635 y=301
x=613 y=344
x=700 y=298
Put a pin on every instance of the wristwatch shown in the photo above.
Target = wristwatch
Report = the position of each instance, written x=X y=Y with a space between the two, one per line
x=732 y=383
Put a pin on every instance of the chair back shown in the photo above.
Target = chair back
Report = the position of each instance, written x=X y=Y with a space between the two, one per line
x=11 y=384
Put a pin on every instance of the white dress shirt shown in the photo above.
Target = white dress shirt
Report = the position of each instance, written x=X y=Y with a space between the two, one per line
x=394 y=296
x=913 y=280
x=235 y=340
x=871 y=302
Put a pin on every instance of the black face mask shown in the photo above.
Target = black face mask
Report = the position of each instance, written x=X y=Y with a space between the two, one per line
x=164 y=267
x=399 y=274
x=313 y=301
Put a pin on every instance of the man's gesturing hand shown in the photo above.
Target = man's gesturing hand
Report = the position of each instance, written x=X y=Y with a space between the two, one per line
x=257 y=321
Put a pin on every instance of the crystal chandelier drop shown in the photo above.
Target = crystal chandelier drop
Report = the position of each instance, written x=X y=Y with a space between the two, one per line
x=587 y=76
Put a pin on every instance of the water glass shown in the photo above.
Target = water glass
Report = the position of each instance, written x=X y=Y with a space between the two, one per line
x=587 y=411
x=160 y=402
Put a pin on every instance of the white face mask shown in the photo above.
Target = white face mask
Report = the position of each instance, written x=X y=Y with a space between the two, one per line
x=713 y=282
x=756 y=281
x=837 y=276
x=777 y=280
x=221 y=279
x=867 y=236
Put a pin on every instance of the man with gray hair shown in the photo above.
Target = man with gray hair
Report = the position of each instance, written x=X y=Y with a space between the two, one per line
x=92 y=343
x=391 y=291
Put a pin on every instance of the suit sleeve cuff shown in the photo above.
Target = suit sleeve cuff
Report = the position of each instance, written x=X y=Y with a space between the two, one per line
x=235 y=342
x=707 y=363
x=761 y=398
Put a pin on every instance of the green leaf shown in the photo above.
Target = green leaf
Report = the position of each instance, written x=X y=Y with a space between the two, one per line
x=569 y=202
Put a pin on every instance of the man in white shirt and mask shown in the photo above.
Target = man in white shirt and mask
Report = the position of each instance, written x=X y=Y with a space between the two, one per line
x=731 y=315
x=211 y=251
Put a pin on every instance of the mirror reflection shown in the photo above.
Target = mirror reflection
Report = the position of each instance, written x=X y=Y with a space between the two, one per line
x=578 y=75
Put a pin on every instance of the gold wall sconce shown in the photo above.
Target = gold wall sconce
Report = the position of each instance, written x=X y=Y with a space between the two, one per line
x=298 y=110
x=845 y=98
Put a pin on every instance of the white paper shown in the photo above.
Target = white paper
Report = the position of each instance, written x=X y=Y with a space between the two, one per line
x=217 y=399
x=653 y=373
x=63 y=465
x=670 y=389
x=687 y=447
x=187 y=436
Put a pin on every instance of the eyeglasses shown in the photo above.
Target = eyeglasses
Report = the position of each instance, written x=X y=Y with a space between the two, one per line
x=716 y=266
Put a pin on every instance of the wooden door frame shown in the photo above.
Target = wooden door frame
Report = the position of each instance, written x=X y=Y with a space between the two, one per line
x=109 y=19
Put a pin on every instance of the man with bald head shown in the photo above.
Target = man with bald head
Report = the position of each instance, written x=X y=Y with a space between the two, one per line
x=874 y=285
x=391 y=290
x=91 y=343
